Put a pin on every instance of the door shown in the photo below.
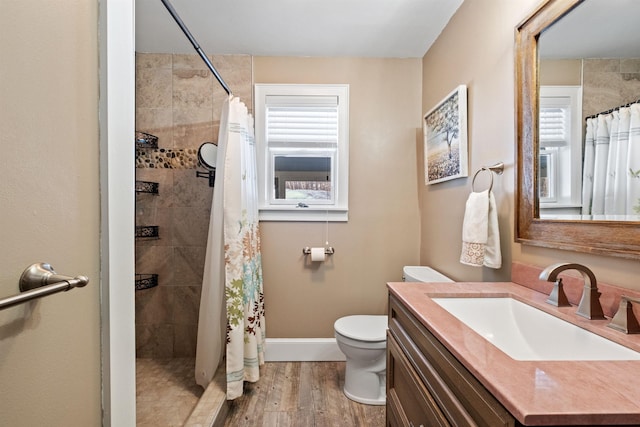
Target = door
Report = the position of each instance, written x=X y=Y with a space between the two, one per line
x=50 y=211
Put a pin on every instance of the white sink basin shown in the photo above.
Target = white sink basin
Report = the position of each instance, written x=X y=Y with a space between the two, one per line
x=526 y=333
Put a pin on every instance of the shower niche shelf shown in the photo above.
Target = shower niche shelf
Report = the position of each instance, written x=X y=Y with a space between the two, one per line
x=146 y=140
x=146 y=281
x=147 y=232
x=147 y=187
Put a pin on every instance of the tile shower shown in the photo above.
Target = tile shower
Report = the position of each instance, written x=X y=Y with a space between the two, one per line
x=179 y=101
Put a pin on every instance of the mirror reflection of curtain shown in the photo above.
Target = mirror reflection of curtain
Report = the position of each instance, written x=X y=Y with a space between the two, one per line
x=589 y=156
x=633 y=165
x=611 y=174
x=620 y=180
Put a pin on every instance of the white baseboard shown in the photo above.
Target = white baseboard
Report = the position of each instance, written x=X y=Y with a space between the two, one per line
x=302 y=350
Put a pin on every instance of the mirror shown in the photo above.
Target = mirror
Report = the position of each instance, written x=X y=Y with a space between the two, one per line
x=535 y=39
x=588 y=63
x=207 y=158
x=208 y=155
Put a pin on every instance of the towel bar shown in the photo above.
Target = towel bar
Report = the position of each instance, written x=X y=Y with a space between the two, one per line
x=39 y=280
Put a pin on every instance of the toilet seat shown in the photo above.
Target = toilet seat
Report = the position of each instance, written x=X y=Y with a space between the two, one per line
x=367 y=328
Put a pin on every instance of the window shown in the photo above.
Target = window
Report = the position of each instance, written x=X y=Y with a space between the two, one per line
x=548 y=177
x=302 y=137
x=560 y=140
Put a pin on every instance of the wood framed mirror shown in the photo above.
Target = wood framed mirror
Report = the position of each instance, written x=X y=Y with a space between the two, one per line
x=616 y=238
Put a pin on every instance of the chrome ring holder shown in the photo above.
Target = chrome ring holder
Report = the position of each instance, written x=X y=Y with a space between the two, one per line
x=498 y=168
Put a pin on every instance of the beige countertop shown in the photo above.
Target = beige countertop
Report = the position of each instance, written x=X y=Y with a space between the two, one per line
x=535 y=392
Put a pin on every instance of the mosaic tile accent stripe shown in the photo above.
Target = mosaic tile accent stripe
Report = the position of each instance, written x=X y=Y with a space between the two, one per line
x=163 y=158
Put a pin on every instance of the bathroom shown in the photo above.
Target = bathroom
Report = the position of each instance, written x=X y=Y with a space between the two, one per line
x=405 y=222
x=295 y=282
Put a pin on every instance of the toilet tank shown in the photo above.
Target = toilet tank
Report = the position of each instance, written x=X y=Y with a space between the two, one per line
x=419 y=273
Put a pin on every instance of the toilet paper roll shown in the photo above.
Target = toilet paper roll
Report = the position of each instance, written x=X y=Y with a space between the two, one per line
x=317 y=254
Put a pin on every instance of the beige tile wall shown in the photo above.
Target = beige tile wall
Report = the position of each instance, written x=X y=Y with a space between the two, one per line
x=609 y=83
x=179 y=101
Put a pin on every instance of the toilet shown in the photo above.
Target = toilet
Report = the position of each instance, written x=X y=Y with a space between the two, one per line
x=363 y=340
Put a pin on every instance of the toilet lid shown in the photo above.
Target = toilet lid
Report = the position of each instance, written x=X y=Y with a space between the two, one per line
x=362 y=327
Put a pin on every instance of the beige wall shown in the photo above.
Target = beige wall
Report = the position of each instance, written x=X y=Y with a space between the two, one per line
x=382 y=233
x=49 y=210
x=560 y=72
x=480 y=53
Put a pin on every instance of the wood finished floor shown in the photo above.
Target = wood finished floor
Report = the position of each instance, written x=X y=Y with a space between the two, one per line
x=301 y=394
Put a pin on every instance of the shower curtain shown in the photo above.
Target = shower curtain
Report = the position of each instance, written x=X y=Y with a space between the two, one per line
x=611 y=168
x=232 y=301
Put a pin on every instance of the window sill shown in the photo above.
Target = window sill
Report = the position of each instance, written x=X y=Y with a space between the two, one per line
x=292 y=213
x=552 y=205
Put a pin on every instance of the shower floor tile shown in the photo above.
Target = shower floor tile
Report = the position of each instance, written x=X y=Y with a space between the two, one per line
x=166 y=391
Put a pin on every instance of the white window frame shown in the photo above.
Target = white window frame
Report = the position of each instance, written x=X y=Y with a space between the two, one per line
x=551 y=176
x=566 y=157
x=270 y=209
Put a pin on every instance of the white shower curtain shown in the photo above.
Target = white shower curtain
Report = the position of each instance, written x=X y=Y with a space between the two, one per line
x=232 y=301
x=611 y=175
x=587 y=167
x=633 y=163
x=600 y=163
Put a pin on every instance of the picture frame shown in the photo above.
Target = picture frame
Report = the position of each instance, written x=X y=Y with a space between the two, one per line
x=445 y=138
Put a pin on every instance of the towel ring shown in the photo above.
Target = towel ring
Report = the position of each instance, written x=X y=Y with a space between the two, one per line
x=498 y=168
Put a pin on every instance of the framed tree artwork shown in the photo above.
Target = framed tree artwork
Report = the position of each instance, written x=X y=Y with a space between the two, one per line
x=445 y=138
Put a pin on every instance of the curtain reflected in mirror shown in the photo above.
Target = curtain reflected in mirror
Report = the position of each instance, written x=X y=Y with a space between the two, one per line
x=611 y=183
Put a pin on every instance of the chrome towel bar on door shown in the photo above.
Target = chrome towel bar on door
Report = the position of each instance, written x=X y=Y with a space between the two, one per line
x=39 y=280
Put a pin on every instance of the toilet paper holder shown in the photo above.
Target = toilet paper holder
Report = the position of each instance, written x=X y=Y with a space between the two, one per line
x=328 y=250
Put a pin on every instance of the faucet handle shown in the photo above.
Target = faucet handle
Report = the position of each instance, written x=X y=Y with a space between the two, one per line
x=624 y=319
x=557 y=296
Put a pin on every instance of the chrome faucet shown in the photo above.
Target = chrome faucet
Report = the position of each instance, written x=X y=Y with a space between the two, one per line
x=589 y=305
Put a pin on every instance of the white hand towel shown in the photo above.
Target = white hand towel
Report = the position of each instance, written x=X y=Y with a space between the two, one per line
x=480 y=234
x=492 y=253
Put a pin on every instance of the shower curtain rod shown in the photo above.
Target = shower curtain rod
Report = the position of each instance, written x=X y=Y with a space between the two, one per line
x=193 y=41
x=611 y=110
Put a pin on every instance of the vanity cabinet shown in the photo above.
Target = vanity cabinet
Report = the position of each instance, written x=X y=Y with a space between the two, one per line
x=427 y=385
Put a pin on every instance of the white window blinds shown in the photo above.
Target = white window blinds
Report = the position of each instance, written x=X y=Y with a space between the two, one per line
x=554 y=126
x=308 y=120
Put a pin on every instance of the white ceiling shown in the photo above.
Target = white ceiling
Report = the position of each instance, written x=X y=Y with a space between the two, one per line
x=595 y=29
x=354 y=28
